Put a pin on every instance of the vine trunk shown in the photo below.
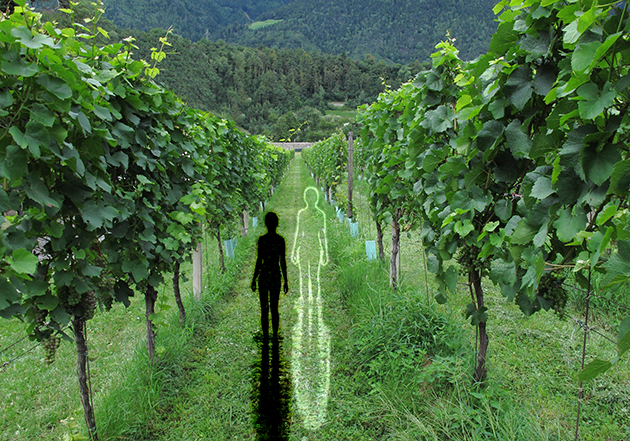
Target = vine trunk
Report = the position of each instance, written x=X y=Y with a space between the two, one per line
x=480 y=369
x=221 y=256
x=394 y=262
x=78 y=327
x=150 y=297
x=178 y=294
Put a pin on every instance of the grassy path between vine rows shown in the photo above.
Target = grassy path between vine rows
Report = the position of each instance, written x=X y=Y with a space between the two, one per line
x=227 y=398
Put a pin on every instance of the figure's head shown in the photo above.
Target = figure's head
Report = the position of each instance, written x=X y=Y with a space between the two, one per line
x=271 y=221
x=311 y=196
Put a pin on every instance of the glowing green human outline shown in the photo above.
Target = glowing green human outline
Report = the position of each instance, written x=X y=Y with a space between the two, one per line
x=311 y=344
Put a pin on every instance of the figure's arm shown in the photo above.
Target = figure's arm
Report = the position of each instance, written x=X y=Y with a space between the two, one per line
x=258 y=265
x=283 y=266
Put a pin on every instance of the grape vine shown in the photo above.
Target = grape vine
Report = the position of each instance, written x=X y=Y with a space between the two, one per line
x=520 y=155
x=100 y=168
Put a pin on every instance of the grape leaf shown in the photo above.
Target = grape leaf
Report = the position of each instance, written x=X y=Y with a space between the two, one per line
x=19 y=68
x=6 y=99
x=518 y=142
x=567 y=225
x=16 y=163
x=620 y=178
x=593 y=369
x=542 y=188
x=56 y=86
x=450 y=278
x=599 y=164
x=583 y=55
x=8 y=294
x=523 y=233
x=23 y=261
x=42 y=115
x=593 y=103
x=37 y=191
x=502 y=272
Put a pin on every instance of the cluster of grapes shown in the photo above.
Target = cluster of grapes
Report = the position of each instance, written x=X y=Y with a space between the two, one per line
x=50 y=345
x=551 y=288
x=68 y=297
x=40 y=317
x=469 y=260
x=89 y=304
x=80 y=305
x=106 y=285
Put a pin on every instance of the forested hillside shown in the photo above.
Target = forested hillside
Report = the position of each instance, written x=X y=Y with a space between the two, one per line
x=400 y=31
x=269 y=91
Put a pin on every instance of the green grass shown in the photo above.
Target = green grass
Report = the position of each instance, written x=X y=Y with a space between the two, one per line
x=263 y=24
x=130 y=396
x=190 y=393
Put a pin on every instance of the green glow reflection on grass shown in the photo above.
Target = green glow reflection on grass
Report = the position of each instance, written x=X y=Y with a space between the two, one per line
x=311 y=338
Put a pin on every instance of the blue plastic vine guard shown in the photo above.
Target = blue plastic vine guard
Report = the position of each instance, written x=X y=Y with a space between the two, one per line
x=370 y=249
x=354 y=229
x=230 y=246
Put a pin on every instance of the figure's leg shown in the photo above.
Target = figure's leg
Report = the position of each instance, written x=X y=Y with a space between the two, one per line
x=310 y=300
x=264 y=310
x=274 y=299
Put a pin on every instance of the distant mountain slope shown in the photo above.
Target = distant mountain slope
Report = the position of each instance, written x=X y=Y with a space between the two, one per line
x=193 y=19
x=394 y=30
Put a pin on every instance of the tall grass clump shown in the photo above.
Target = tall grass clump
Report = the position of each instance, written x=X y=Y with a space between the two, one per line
x=399 y=341
x=411 y=360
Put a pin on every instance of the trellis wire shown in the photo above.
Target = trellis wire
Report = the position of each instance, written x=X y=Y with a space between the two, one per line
x=577 y=288
x=6 y=363
x=13 y=344
x=581 y=324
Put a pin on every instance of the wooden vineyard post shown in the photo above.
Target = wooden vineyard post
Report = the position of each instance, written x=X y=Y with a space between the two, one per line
x=198 y=271
x=245 y=227
x=350 y=167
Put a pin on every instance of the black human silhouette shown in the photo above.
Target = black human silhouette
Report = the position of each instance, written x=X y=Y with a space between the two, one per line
x=271 y=259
